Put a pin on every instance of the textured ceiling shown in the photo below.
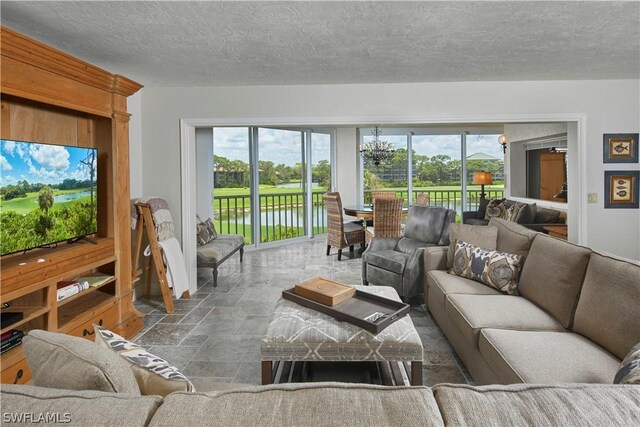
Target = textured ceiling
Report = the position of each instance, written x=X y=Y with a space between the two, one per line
x=265 y=43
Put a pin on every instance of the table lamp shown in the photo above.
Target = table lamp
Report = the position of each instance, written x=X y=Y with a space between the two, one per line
x=482 y=178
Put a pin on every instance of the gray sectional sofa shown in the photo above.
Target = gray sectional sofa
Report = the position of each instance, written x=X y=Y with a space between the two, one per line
x=576 y=316
x=333 y=404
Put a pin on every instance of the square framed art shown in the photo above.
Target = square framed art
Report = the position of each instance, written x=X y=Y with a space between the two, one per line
x=621 y=189
x=620 y=147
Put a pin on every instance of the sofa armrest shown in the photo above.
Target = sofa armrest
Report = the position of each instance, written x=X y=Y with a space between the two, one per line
x=382 y=244
x=435 y=258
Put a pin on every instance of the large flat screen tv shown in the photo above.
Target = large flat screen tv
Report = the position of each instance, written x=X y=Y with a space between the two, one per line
x=48 y=194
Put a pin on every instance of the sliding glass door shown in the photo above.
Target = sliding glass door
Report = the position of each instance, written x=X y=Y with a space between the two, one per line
x=282 y=184
x=263 y=187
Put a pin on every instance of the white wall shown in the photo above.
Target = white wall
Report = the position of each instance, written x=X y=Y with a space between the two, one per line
x=608 y=106
x=204 y=172
x=346 y=165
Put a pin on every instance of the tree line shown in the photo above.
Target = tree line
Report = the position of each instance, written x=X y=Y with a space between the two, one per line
x=21 y=188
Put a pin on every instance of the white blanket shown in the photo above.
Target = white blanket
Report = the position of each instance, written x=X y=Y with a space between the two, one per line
x=176 y=269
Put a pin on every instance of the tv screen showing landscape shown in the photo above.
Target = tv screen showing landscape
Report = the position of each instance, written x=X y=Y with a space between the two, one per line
x=48 y=194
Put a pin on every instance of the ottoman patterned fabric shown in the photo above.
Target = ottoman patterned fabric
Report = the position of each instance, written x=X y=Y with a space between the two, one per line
x=297 y=333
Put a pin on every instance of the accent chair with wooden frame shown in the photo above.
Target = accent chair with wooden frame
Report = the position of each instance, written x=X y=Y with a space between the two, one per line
x=340 y=234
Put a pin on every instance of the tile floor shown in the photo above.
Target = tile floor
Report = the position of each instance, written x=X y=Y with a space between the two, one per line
x=215 y=336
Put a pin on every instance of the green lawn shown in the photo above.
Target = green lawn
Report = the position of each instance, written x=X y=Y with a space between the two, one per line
x=24 y=205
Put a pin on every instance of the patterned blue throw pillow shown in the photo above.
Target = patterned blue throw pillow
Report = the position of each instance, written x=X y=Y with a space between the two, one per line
x=629 y=371
x=499 y=270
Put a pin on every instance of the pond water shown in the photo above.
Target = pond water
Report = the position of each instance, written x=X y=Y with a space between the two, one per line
x=72 y=196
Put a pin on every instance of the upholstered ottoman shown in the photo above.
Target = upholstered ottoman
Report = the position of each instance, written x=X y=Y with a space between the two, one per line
x=296 y=333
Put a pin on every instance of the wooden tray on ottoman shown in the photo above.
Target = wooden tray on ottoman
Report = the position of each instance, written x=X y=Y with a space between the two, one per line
x=357 y=310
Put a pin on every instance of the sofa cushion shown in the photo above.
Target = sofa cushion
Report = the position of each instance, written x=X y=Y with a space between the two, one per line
x=67 y=362
x=527 y=213
x=499 y=270
x=218 y=248
x=538 y=405
x=78 y=408
x=552 y=276
x=471 y=313
x=387 y=260
x=629 y=371
x=608 y=310
x=546 y=216
x=426 y=223
x=512 y=238
x=482 y=236
x=475 y=221
x=546 y=357
x=441 y=284
x=321 y=404
x=155 y=376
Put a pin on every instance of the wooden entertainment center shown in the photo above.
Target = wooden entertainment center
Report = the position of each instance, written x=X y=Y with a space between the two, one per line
x=49 y=96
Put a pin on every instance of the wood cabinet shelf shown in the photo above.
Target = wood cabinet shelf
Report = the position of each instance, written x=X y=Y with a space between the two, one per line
x=54 y=98
x=29 y=314
x=84 y=293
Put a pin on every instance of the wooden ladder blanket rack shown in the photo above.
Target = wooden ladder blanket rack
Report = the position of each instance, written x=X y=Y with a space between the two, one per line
x=145 y=223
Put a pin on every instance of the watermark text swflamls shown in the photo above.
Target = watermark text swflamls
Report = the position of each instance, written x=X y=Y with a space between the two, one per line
x=34 y=417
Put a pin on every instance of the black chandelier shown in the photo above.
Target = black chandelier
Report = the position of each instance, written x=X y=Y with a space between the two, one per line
x=377 y=151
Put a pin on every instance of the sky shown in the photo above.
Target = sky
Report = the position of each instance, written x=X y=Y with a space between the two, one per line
x=48 y=164
x=282 y=146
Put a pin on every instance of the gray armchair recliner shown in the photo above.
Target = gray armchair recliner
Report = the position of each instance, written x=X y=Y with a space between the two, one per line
x=398 y=262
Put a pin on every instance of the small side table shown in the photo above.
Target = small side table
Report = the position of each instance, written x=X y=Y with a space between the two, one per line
x=558 y=231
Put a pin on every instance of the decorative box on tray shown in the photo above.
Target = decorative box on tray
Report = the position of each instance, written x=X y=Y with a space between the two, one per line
x=370 y=312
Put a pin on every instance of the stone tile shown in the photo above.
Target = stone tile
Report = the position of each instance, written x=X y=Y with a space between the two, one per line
x=164 y=334
x=436 y=374
x=201 y=368
x=221 y=300
x=193 y=340
x=242 y=348
x=177 y=356
x=172 y=318
x=249 y=373
x=432 y=358
x=196 y=315
x=211 y=326
x=253 y=325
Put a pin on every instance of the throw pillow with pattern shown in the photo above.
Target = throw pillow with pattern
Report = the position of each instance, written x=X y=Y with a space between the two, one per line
x=206 y=231
x=513 y=212
x=496 y=209
x=499 y=270
x=155 y=376
x=629 y=371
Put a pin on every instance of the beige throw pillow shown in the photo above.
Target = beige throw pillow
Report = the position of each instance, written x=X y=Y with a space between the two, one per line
x=155 y=376
x=484 y=236
x=73 y=363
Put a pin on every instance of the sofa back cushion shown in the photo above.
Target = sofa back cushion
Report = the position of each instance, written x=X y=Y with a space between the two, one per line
x=312 y=404
x=546 y=216
x=428 y=224
x=538 y=404
x=552 y=276
x=512 y=238
x=77 y=407
x=608 y=311
x=67 y=362
x=484 y=236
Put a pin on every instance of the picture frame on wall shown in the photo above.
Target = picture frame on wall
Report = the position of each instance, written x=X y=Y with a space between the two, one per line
x=620 y=147
x=621 y=189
